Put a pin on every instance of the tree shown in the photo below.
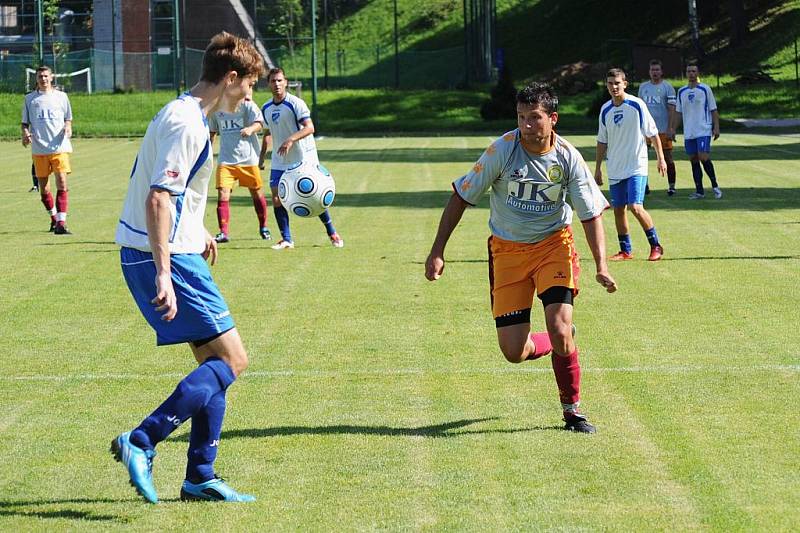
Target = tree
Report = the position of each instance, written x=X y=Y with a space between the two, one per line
x=284 y=18
x=739 y=21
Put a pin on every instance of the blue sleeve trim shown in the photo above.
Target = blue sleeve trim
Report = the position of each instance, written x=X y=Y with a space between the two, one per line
x=638 y=109
x=603 y=112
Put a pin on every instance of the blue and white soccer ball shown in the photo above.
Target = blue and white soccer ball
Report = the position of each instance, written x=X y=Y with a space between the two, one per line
x=306 y=189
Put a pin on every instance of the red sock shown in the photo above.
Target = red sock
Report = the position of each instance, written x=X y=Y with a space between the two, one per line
x=568 y=377
x=223 y=215
x=47 y=202
x=541 y=342
x=260 y=204
x=61 y=206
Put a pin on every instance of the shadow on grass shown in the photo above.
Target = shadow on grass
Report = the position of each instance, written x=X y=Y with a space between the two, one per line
x=28 y=509
x=435 y=431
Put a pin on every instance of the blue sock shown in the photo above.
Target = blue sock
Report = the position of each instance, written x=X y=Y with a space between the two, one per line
x=282 y=216
x=652 y=236
x=625 y=243
x=325 y=217
x=188 y=398
x=204 y=439
x=709 y=167
x=697 y=174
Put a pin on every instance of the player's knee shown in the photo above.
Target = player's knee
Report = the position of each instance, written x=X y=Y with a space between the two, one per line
x=513 y=354
x=276 y=202
x=238 y=362
x=704 y=156
x=561 y=337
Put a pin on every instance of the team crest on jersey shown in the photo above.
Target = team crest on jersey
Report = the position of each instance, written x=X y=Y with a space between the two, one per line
x=690 y=96
x=617 y=117
x=555 y=174
x=275 y=116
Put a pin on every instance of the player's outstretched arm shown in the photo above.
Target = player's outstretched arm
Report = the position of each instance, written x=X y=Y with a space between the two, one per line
x=596 y=237
x=265 y=142
x=158 y=226
x=305 y=131
x=453 y=211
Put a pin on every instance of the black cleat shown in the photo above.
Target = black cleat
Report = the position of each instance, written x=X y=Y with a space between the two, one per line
x=62 y=230
x=52 y=226
x=265 y=234
x=35 y=188
x=578 y=423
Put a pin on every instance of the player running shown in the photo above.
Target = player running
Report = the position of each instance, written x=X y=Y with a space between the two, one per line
x=697 y=108
x=288 y=120
x=659 y=96
x=164 y=250
x=47 y=127
x=624 y=125
x=238 y=124
x=529 y=172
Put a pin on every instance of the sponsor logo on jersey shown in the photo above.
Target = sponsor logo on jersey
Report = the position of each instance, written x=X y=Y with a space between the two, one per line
x=519 y=173
x=533 y=196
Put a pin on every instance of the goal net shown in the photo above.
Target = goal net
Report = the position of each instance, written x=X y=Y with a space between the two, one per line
x=79 y=81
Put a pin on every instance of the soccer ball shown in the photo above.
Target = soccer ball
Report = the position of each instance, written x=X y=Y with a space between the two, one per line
x=306 y=189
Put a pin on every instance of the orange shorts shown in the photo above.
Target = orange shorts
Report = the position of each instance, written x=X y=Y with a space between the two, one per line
x=666 y=142
x=517 y=270
x=247 y=176
x=47 y=164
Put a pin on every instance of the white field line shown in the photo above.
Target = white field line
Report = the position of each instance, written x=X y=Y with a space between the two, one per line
x=259 y=374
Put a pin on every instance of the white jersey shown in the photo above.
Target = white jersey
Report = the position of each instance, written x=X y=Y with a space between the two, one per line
x=624 y=129
x=46 y=115
x=696 y=105
x=528 y=192
x=233 y=148
x=175 y=156
x=282 y=120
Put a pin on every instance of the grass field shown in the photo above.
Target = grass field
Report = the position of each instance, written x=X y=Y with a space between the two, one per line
x=378 y=400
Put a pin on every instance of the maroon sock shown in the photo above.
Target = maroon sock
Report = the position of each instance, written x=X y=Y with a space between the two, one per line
x=541 y=342
x=260 y=204
x=47 y=202
x=568 y=376
x=671 y=174
x=223 y=215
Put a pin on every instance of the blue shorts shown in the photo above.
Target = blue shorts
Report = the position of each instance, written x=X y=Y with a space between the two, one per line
x=275 y=177
x=628 y=191
x=700 y=144
x=202 y=312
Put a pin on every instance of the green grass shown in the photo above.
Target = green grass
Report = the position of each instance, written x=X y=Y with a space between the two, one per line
x=390 y=112
x=378 y=400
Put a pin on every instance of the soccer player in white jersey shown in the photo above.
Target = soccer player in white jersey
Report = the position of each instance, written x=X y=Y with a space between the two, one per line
x=47 y=127
x=238 y=124
x=529 y=172
x=697 y=108
x=659 y=96
x=624 y=126
x=164 y=250
x=291 y=133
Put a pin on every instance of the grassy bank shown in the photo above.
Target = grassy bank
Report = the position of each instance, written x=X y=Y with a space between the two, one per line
x=383 y=111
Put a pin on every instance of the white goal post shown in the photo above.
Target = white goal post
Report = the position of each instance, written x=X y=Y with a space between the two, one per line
x=30 y=78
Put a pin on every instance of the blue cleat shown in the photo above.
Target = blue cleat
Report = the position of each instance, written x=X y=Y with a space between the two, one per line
x=139 y=463
x=213 y=490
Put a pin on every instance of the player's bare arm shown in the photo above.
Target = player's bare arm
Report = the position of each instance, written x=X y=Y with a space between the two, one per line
x=26 y=134
x=715 y=122
x=255 y=127
x=453 y=211
x=68 y=129
x=596 y=238
x=305 y=131
x=210 y=253
x=158 y=226
x=675 y=123
x=671 y=122
x=600 y=155
x=265 y=144
x=662 y=163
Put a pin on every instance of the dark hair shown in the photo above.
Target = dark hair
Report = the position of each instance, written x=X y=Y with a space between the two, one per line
x=42 y=68
x=228 y=52
x=614 y=72
x=654 y=62
x=539 y=94
x=693 y=63
x=273 y=71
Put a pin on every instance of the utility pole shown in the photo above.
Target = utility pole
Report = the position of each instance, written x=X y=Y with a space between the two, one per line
x=40 y=30
x=314 y=61
x=176 y=55
x=695 y=27
x=396 y=50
